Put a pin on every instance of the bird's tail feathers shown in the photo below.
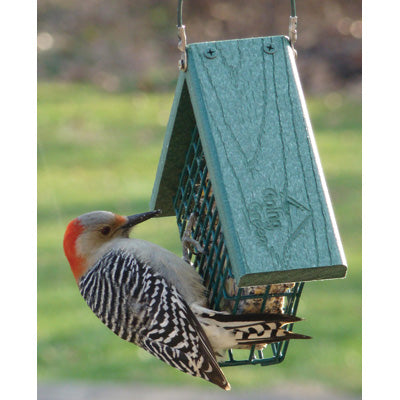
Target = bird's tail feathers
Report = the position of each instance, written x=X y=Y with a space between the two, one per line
x=249 y=329
x=243 y=319
x=251 y=337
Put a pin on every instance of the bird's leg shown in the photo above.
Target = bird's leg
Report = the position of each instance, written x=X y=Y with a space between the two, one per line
x=188 y=243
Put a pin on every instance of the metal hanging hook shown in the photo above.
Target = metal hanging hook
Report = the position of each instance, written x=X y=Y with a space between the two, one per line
x=293 y=26
x=183 y=40
x=182 y=64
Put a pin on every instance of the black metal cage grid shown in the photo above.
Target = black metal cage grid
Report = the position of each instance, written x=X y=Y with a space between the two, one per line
x=195 y=201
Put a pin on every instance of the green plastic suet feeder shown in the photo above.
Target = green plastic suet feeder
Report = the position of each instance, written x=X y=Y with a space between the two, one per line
x=240 y=161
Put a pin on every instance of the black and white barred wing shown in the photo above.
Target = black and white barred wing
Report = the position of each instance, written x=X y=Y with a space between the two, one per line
x=140 y=306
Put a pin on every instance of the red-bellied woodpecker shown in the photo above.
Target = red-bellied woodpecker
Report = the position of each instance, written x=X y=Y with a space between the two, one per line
x=151 y=297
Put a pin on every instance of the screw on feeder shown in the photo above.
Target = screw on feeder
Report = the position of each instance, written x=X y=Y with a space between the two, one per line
x=269 y=48
x=211 y=53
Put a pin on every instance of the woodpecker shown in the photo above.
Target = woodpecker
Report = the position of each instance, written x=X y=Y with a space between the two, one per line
x=149 y=296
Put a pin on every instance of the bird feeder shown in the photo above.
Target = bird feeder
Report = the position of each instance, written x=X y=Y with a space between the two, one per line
x=240 y=163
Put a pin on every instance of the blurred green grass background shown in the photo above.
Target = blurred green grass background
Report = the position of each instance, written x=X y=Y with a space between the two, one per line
x=100 y=150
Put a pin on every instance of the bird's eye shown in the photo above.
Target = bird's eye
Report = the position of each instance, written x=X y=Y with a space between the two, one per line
x=105 y=230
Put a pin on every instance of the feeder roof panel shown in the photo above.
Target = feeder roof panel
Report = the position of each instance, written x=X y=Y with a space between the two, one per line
x=245 y=98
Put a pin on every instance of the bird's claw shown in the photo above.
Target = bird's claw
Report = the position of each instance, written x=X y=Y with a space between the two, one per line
x=188 y=243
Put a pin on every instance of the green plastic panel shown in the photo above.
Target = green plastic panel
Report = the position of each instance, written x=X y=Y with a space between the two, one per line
x=173 y=154
x=273 y=203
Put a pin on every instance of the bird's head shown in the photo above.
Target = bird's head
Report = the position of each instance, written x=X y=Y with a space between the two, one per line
x=86 y=234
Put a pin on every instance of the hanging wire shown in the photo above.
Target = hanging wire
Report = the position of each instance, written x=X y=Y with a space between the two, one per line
x=293 y=8
x=183 y=41
x=180 y=7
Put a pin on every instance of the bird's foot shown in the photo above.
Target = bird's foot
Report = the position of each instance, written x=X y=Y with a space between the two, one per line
x=190 y=245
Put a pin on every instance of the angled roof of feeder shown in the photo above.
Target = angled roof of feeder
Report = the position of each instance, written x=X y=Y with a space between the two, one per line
x=246 y=100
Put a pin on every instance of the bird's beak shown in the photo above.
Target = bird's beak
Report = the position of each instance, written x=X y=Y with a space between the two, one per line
x=135 y=219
